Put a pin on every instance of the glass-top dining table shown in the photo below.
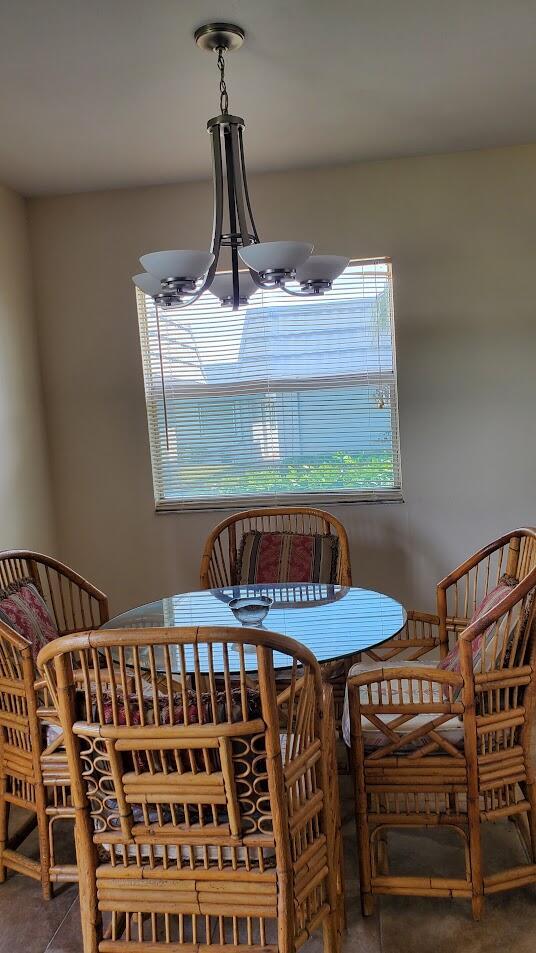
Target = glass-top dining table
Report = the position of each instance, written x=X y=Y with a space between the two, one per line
x=334 y=622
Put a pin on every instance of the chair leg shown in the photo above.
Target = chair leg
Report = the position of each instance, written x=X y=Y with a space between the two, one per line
x=367 y=904
x=332 y=937
x=364 y=846
x=44 y=844
x=4 y=827
x=475 y=857
x=531 y=817
x=365 y=870
x=86 y=859
x=477 y=904
x=342 y=923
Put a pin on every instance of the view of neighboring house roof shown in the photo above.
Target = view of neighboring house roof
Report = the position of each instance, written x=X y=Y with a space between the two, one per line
x=305 y=340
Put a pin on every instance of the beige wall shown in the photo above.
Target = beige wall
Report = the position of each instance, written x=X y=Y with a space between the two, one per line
x=461 y=232
x=25 y=502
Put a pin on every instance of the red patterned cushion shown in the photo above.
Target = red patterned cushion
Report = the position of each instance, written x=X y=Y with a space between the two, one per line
x=287 y=557
x=24 y=609
x=252 y=701
x=451 y=662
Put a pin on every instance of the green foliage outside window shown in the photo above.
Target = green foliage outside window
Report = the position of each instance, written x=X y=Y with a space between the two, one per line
x=338 y=471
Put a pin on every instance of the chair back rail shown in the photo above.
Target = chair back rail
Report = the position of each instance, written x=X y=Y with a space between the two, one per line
x=74 y=603
x=220 y=561
x=207 y=788
x=459 y=593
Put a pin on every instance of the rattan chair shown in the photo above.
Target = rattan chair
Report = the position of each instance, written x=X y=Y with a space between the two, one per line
x=34 y=776
x=220 y=561
x=457 y=596
x=435 y=747
x=206 y=810
x=220 y=564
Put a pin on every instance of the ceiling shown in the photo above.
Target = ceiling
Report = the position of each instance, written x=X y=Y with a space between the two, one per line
x=113 y=93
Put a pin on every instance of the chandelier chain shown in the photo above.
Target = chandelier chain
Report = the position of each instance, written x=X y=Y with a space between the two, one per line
x=224 y=98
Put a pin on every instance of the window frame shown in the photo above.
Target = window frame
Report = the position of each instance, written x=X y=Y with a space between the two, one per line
x=298 y=498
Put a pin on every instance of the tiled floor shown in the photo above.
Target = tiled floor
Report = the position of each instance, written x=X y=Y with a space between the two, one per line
x=399 y=925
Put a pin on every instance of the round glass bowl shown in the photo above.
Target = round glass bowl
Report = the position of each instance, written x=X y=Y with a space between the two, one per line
x=250 y=610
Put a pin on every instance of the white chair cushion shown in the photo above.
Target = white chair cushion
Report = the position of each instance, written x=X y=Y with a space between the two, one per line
x=452 y=730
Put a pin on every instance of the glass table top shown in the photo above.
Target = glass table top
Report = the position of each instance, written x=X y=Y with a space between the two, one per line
x=332 y=621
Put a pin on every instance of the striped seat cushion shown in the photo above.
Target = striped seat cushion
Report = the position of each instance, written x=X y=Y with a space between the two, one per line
x=287 y=557
x=23 y=608
x=398 y=692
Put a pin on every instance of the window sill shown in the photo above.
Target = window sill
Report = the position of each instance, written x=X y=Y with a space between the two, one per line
x=321 y=500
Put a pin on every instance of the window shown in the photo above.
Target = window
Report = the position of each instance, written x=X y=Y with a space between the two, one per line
x=285 y=400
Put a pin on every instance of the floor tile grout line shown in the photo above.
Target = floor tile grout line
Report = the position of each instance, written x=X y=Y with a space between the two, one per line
x=60 y=924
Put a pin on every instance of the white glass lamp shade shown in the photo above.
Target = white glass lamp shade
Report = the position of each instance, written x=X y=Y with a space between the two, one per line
x=222 y=286
x=321 y=268
x=191 y=265
x=276 y=256
x=147 y=283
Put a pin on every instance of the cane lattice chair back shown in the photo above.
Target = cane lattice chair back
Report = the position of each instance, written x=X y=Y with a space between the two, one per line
x=204 y=788
x=458 y=595
x=437 y=747
x=220 y=563
x=34 y=776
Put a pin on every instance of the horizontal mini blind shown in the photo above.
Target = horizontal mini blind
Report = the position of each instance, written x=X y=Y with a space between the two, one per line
x=286 y=399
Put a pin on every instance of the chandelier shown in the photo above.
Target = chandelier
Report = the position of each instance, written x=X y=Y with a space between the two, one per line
x=178 y=278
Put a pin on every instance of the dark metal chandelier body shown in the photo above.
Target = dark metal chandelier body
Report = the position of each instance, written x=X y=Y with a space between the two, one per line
x=228 y=148
x=178 y=278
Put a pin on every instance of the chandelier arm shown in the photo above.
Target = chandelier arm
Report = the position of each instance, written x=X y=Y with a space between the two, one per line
x=217 y=220
x=245 y=185
x=268 y=284
x=231 y=197
x=239 y=187
x=299 y=294
x=217 y=224
x=193 y=298
x=263 y=285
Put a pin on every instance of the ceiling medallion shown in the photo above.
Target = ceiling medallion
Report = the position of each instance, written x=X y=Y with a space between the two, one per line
x=178 y=278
